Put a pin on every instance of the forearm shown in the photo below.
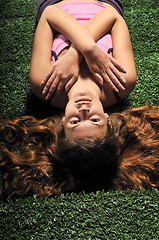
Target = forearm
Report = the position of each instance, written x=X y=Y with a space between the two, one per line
x=101 y=23
x=82 y=37
x=67 y=25
x=122 y=52
x=43 y=39
x=41 y=52
x=98 y=26
x=109 y=20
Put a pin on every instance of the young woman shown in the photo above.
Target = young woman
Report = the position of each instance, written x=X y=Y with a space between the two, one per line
x=36 y=159
x=98 y=78
x=91 y=150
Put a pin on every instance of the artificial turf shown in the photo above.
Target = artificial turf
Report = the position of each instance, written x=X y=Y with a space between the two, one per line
x=101 y=215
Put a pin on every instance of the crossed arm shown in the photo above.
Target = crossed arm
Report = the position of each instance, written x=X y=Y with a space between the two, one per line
x=103 y=66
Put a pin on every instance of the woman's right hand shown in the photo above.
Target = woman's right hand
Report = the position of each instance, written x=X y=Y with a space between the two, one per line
x=62 y=74
x=105 y=68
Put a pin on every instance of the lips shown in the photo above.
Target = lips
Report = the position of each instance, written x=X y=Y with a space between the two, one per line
x=83 y=100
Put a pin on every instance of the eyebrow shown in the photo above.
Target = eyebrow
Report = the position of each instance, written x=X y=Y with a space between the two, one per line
x=95 y=124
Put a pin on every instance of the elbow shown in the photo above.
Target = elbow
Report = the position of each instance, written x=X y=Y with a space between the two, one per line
x=36 y=75
x=129 y=86
x=35 y=85
x=131 y=82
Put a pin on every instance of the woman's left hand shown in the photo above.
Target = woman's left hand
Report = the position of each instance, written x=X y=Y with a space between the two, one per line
x=63 y=73
x=105 y=69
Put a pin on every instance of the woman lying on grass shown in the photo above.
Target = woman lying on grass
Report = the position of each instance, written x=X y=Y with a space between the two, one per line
x=91 y=150
x=36 y=159
x=85 y=78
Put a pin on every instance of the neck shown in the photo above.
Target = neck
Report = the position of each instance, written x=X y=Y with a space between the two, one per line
x=85 y=86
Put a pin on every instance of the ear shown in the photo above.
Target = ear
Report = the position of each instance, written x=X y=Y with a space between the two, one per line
x=63 y=120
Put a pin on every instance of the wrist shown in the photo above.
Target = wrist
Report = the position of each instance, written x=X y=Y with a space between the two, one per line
x=91 y=50
x=75 y=53
x=88 y=48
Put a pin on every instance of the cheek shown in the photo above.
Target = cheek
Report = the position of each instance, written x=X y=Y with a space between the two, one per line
x=98 y=107
x=69 y=113
x=68 y=110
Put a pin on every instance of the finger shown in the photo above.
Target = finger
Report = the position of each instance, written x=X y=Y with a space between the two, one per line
x=110 y=83
x=52 y=88
x=117 y=65
x=98 y=78
x=48 y=84
x=119 y=76
x=46 y=88
x=60 y=87
x=46 y=77
x=70 y=83
x=115 y=81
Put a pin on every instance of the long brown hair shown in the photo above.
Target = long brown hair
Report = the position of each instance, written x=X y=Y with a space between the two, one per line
x=138 y=133
x=27 y=149
x=30 y=163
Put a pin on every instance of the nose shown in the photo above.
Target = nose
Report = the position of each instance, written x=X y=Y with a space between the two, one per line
x=84 y=108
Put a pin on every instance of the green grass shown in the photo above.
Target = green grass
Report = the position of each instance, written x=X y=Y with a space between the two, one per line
x=111 y=215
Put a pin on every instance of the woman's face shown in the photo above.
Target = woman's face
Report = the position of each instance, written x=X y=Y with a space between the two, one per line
x=85 y=118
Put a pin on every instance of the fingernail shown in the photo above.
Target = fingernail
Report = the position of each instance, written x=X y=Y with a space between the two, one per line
x=124 y=80
x=101 y=81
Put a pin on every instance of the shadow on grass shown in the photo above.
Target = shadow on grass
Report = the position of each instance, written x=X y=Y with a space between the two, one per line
x=40 y=109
